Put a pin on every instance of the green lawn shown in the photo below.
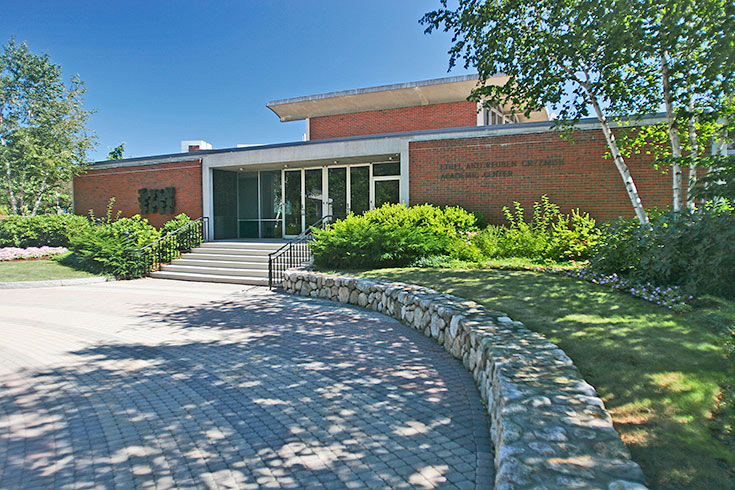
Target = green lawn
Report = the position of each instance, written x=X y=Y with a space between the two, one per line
x=38 y=270
x=663 y=376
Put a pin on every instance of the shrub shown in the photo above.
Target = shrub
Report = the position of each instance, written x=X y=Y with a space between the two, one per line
x=175 y=223
x=172 y=225
x=693 y=250
x=38 y=231
x=394 y=236
x=548 y=235
x=572 y=237
x=101 y=248
x=356 y=243
x=442 y=221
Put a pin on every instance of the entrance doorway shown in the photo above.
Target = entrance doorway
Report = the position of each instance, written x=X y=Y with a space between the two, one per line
x=282 y=203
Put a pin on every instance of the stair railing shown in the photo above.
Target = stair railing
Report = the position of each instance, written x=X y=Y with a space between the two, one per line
x=167 y=248
x=295 y=253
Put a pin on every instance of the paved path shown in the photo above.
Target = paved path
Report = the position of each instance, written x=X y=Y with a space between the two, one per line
x=165 y=384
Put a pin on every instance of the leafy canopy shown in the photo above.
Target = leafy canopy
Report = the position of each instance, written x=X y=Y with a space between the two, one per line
x=558 y=52
x=43 y=133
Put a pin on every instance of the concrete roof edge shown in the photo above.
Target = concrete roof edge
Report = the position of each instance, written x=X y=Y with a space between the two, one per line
x=367 y=90
x=462 y=132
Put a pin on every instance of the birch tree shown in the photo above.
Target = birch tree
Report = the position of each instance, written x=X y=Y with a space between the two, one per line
x=694 y=46
x=43 y=133
x=572 y=54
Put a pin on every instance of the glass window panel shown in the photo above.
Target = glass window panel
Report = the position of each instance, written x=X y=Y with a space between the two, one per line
x=248 y=228
x=383 y=169
x=224 y=186
x=270 y=194
x=271 y=229
x=314 y=195
x=247 y=190
x=337 y=192
x=359 y=189
x=292 y=202
x=387 y=191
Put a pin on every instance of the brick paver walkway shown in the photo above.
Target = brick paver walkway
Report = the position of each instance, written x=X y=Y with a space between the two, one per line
x=164 y=384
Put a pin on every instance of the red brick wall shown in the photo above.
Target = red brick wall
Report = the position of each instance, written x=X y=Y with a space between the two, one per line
x=523 y=167
x=436 y=116
x=94 y=189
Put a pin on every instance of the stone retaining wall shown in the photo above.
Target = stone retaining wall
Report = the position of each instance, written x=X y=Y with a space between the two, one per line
x=549 y=428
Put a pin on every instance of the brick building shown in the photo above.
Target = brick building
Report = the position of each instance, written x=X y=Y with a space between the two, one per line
x=412 y=143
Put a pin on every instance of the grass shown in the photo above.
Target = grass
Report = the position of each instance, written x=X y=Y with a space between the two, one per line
x=667 y=379
x=38 y=270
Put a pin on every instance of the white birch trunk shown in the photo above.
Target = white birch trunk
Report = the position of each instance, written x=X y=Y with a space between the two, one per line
x=11 y=193
x=673 y=135
x=39 y=198
x=630 y=187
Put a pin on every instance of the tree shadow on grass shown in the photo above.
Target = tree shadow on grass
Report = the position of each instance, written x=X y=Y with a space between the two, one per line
x=659 y=373
x=274 y=389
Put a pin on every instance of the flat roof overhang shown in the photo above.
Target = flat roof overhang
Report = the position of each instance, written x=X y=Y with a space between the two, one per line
x=436 y=91
x=410 y=94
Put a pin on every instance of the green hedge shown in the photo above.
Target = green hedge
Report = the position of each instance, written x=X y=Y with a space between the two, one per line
x=53 y=230
x=392 y=236
x=101 y=248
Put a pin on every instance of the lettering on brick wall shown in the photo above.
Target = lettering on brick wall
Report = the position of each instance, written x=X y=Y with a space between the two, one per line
x=493 y=169
x=157 y=200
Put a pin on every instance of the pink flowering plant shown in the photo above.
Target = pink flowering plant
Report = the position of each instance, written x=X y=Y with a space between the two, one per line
x=14 y=253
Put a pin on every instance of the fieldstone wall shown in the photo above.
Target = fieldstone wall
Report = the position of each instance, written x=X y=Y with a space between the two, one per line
x=549 y=428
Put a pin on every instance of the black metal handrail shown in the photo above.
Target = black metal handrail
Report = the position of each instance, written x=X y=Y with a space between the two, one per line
x=167 y=248
x=294 y=253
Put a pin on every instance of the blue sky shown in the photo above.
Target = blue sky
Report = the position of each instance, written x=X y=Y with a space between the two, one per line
x=159 y=72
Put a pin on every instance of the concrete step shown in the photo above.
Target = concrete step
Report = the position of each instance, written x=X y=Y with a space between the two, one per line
x=227 y=264
x=182 y=276
x=269 y=246
x=225 y=271
x=226 y=257
x=233 y=251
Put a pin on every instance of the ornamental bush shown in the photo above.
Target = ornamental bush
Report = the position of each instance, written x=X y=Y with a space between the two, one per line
x=175 y=223
x=693 y=250
x=53 y=230
x=101 y=248
x=394 y=236
x=549 y=234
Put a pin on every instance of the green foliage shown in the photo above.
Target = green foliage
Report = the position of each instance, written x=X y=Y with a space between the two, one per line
x=719 y=182
x=693 y=250
x=548 y=236
x=54 y=230
x=117 y=152
x=394 y=235
x=544 y=47
x=355 y=243
x=101 y=248
x=43 y=133
x=572 y=237
x=465 y=250
x=426 y=235
x=446 y=220
x=175 y=223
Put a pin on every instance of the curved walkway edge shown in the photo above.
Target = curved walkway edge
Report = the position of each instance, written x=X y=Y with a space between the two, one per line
x=549 y=427
x=52 y=283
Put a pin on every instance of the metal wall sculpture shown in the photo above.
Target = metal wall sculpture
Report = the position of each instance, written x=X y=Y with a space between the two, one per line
x=157 y=200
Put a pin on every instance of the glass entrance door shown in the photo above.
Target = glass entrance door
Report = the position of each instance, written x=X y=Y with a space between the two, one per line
x=359 y=189
x=313 y=196
x=337 y=187
x=292 y=206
